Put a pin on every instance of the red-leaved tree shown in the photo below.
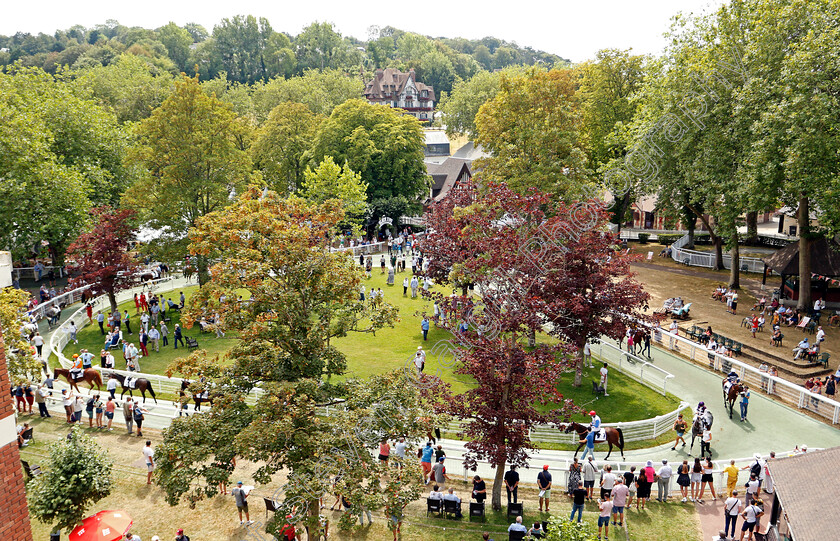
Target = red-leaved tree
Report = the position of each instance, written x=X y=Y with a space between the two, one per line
x=100 y=256
x=538 y=265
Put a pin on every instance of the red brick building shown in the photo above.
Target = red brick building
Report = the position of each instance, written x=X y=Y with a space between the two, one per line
x=14 y=513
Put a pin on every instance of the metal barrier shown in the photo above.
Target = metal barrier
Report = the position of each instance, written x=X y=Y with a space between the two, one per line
x=792 y=394
x=371 y=248
x=60 y=269
x=634 y=366
x=65 y=299
x=694 y=258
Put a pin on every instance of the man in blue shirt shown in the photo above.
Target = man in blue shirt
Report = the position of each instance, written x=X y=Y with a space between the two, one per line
x=87 y=357
x=426 y=461
x=517 y=526
x=544 y=486
x=590 y=445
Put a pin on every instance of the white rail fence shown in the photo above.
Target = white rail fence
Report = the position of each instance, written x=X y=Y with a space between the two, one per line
x=792 y=394
x=694 y=258
x=633 y=366
x=65 y=299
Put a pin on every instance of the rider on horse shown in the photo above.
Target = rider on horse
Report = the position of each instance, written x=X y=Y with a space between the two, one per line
x=77 y=370
x=595 y=424
x=730 y=380
x=701 y=410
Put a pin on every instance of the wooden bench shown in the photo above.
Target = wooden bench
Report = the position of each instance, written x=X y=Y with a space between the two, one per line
x=32 y=471
x=192 y=343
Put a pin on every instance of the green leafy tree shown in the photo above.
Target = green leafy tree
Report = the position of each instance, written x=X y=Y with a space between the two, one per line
x=190 y=147
x=76 y=476
x=22 y=364
x=382 y=144
x=437 y=70
x=273 y=251
x=317 y=46
x=177 y=41
x=280 y=145
x=41 y=199
x=412 y=47
x=321 y=91
x=460 y=106
x=241 y=44
x=331 y=181
x=533 y=130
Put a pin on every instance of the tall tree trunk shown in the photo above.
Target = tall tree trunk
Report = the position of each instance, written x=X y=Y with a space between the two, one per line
x=532 y=338
x=735 y=271
x=579 y=368
x=692 y=226
x=804 y=254
x=203 y=269
x=752 y=226
x=718 y=251
x=498 y=483
x=112 y=298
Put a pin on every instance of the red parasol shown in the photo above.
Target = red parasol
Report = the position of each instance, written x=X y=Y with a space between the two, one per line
x=103 y=526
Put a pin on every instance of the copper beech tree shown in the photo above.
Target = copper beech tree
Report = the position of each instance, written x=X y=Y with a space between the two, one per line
x=101 y=257
x=538 y=265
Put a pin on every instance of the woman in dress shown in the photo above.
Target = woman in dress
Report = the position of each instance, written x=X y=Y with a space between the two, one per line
x=684 y=479
x=574 y=476
x=644 y=482
x=696 y=478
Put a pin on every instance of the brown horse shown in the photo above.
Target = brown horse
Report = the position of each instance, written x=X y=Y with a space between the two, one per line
x=140 y=384
x=89 y=376
x=614 y=437
x=730 y=397
x=198 y=398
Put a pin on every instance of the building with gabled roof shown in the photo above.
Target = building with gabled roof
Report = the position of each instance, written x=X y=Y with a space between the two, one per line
x=395 y=88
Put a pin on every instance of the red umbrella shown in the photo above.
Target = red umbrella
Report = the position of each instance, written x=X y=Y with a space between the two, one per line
x=103 y=526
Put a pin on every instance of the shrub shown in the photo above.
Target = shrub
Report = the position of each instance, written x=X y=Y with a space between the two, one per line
x=643 y=238
x=666 y=239
x=563 y=529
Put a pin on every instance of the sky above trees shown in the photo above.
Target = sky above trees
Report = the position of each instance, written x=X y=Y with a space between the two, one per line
x=574 y=30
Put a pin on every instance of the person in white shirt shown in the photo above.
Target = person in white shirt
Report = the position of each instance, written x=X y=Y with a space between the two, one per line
x=399 y=448
x=732 y=508
x=607 y=482
x=517 y=526
x=604 y=374
x=663 y=486
x=451 y=496
x=436 y=494
x=752 y=489
x=820 y=335
x=587 y=356
x=149 y=455
x=111 y=387
x=751 y=514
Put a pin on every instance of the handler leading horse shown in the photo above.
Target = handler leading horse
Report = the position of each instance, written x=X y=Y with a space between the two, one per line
x=614 y=437
x=700 y=423
x=89 y=376
x=730 y=394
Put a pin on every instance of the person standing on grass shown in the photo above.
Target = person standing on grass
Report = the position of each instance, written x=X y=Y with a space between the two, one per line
x=100 y=319
x=680 y=427
x=607 y=481
x=414 y=285
x=149 y=455
x=110 y=407
x=420 y=360
x=630 y=483
x=578 y=499
x=604 y=374
x=544 y=486
x=164 y=334
x=424 y=326
x=240 y=496
x=154 y=338
x=512 y=484
x=38 y=342
x=731 y=510
x=619 y=499
x=587 y=356
x=78 y=406
x=41 y=394
x=143 y=339
x=384 y=452
x=139 y=416
x=605 y=507
x=663 y=485
x=590 y=470
x=128 y=413
x=67 y=403
x=72 y=330
x=127 y=322
x=178 y=336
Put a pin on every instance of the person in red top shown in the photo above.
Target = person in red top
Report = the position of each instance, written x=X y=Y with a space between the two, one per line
x=89 y=310
x=384 y=452
x=144 y=304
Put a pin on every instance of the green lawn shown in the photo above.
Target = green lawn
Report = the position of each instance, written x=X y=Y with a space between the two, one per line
x=393 y=348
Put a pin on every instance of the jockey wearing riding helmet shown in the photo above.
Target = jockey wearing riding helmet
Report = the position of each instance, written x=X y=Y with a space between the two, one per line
x=76 y=369
x=701 y=409
x=596 y=421
x=733 y=377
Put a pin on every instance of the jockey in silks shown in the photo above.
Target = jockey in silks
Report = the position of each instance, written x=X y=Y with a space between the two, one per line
x=732 y=378
x=595 y=424
x=76 y=371
x=701 y=411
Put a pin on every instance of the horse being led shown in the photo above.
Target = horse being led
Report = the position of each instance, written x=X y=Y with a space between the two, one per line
x=89 y=376
x=700 y=423
x=731 y=391
x=614 y=436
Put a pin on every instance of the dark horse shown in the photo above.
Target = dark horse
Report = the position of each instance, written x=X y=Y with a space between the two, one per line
x=140 y=384
x=89 y=376
x=699 y=424
x=614 y=437
x=731 y=396
x=198 y=398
